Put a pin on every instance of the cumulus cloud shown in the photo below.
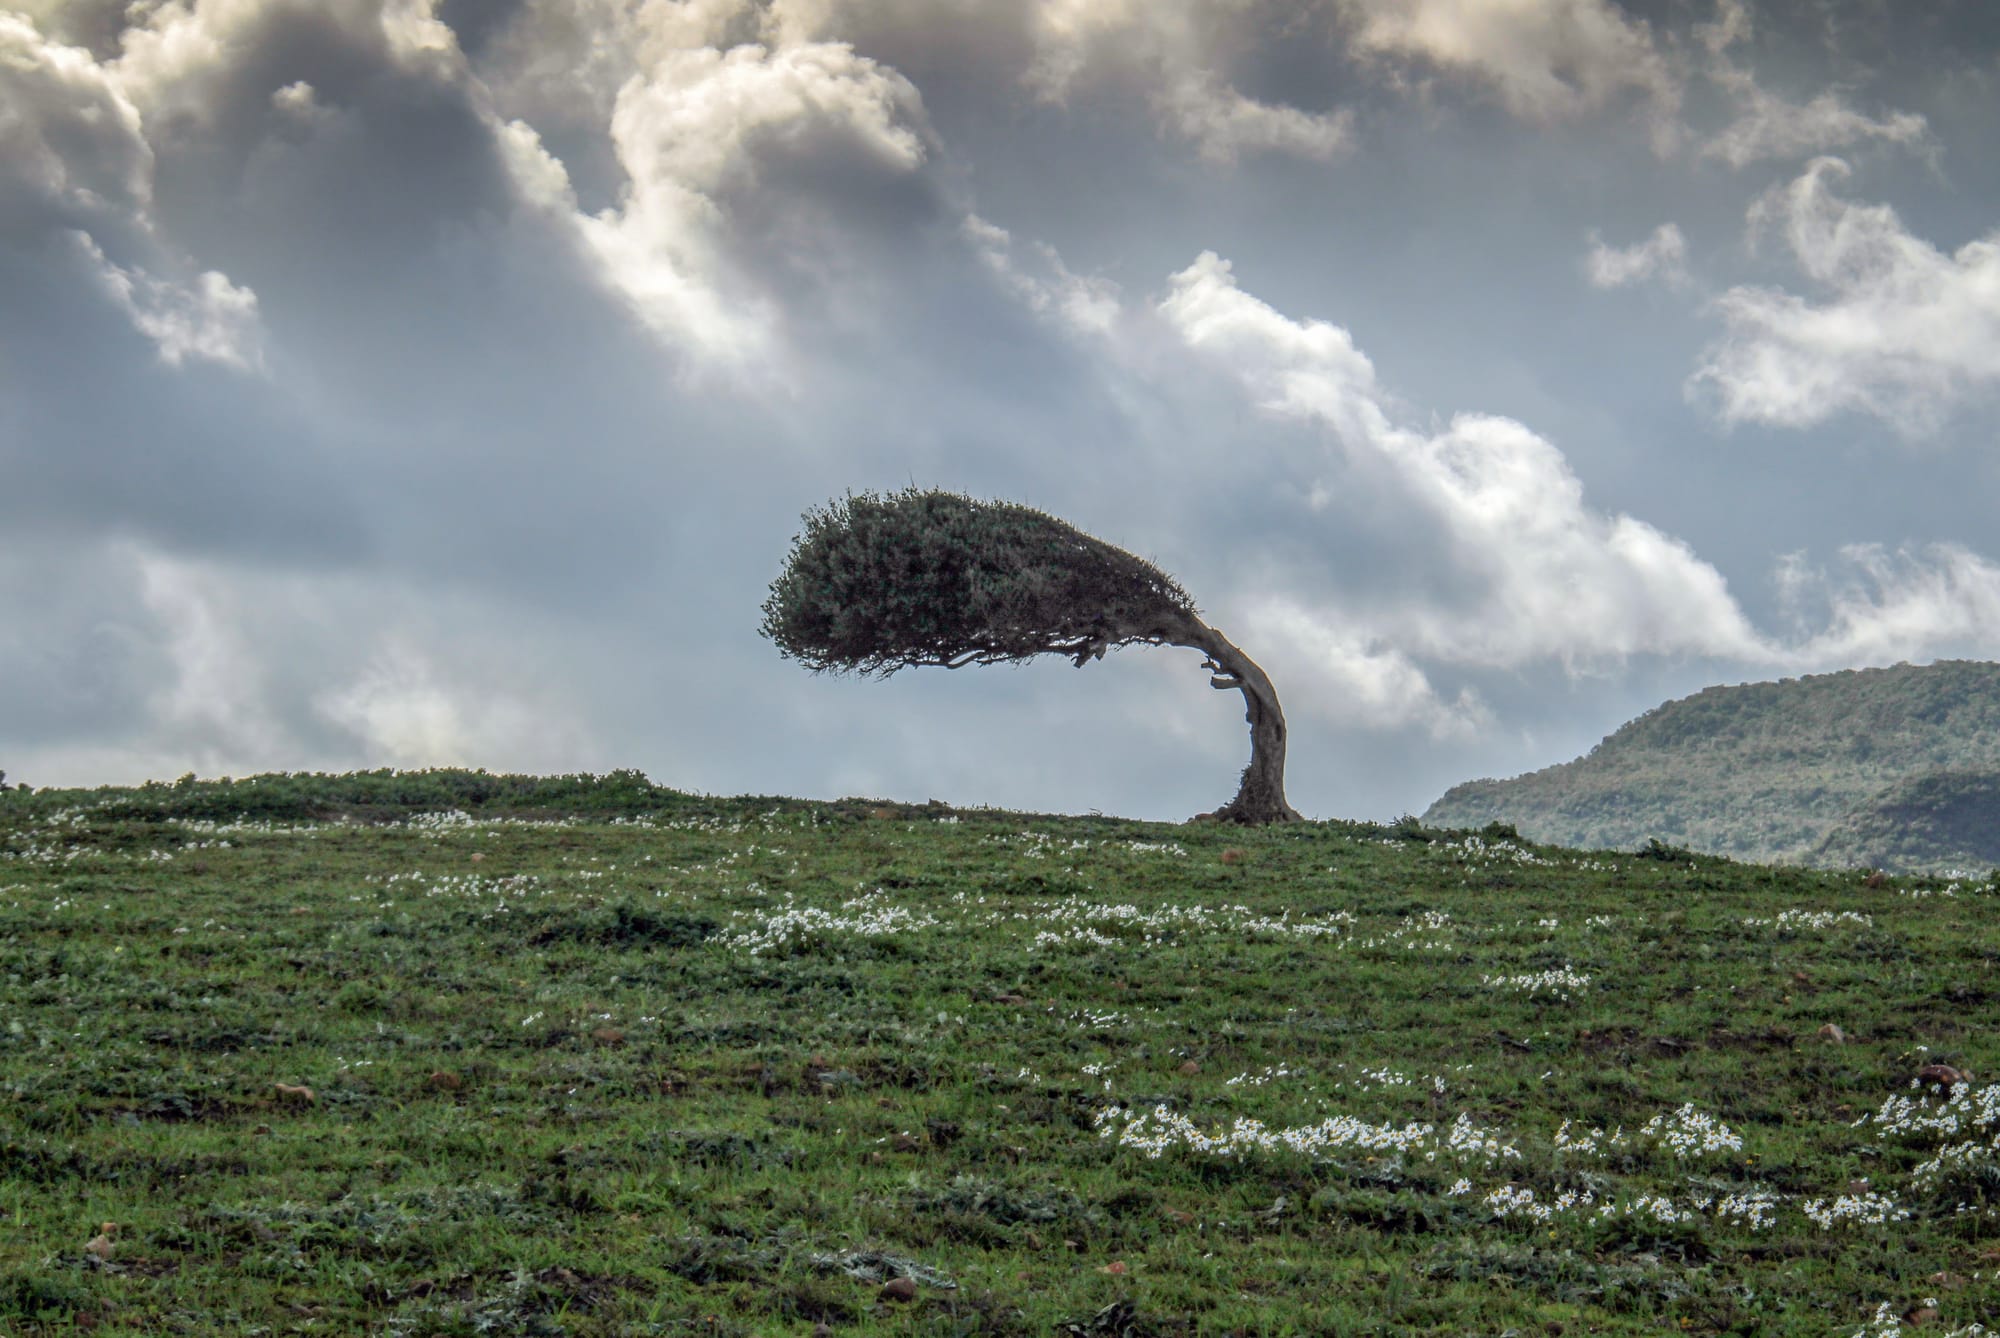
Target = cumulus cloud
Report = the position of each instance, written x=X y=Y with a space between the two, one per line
x=1353 y=680
x=1516 y=567
x=1662 y=255
x=75 y=163
x=1545 y=60
x=209 y=317
x=72 y=153
x=1904 y=332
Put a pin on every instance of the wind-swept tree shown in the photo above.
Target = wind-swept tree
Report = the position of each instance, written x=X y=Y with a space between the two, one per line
x=875 y=584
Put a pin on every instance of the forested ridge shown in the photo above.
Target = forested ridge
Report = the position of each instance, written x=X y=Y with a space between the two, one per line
x=1892 y=767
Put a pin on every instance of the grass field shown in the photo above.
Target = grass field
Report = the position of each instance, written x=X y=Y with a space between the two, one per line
x=442 y=1055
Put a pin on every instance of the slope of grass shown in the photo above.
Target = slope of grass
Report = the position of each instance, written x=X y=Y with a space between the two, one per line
x=1769 y=771
x=748 y=1067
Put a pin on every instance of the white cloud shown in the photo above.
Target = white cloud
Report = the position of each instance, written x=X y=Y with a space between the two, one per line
x=1905 y=333
x=1178 y=50
x=404 y=714
x=1539 y=575
x=207 y=317
x=1885 y=606
x=74 y=159
x=178 y=57
x=1767 y=126
x=696 y=134
x=1083 y=304
x=1223 y=124
x=72 y=152
x=1662 y=255
x=1546 y=60
x=1353 y=680
x=215 y=701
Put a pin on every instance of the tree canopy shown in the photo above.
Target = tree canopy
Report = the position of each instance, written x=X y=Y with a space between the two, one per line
x=875 y=584
x=925 y=577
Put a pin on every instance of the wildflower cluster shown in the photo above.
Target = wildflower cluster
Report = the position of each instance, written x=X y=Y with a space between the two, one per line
x=792 y=926
x=1886 y=1323
x=1804 y=919
x=1428 y=932
x=1867 y=1207
x=1078 y=921
x=1156 y=1131
x=1558 y=982
x=1688 y=1132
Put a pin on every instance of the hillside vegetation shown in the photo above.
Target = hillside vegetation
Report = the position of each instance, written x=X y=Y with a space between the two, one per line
x=460 y=1054
x=1831 y=769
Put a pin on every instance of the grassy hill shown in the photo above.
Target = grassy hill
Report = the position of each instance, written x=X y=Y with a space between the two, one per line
x=1772 y=771
x=455 y=1054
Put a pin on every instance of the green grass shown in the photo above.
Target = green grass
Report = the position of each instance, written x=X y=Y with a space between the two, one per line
x=603 y=1059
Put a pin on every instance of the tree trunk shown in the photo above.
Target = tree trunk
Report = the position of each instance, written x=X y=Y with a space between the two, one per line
x=1261 y=797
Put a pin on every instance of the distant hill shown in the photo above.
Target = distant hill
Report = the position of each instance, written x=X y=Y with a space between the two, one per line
x=1897 y=768
x=1942 y=820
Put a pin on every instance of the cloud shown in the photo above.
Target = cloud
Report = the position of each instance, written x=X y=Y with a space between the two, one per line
x=1179 y=52
x=1351 y=679
x=1082 y=304
x=1768 y=126
x=1662 y=255
x=1515 y=567
x=400 y=709
x=75 y=165
x=1905 y=332
x=1884 y=605
x=208 y=318
x=1545 y=60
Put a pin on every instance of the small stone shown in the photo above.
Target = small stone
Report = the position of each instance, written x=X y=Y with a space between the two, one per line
x=1831 y=1032
x=1944 y=1075
x=900 y=1289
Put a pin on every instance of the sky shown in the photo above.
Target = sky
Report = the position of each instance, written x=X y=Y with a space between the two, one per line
x=406 y=383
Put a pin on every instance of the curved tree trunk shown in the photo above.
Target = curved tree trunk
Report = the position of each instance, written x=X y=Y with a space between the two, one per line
x=1261 y=797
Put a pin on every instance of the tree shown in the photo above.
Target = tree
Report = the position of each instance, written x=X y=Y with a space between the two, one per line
x=875 y=584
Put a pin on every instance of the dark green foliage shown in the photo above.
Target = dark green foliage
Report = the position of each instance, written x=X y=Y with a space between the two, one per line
x=875 y=584
x=1824 y=770
x=1948 y=819
x=368 y=796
